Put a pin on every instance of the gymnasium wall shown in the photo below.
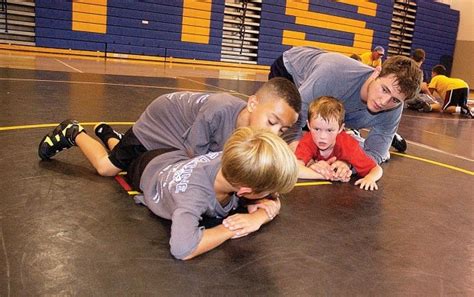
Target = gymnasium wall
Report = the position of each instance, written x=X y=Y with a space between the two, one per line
x=436 y=28
x=464 y=53
x=335 y=26
x=192 y=29
x=187 y=29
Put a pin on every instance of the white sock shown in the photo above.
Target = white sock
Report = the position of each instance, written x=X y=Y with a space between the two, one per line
x=458 y=109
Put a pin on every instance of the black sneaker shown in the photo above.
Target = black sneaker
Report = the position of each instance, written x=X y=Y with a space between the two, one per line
x=62 y=137
x=105 y=132
x=399 y=143
x=354 y=132
x=467 y=112
x=414 y=104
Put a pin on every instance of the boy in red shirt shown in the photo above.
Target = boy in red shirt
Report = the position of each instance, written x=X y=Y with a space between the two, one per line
x=329 y=151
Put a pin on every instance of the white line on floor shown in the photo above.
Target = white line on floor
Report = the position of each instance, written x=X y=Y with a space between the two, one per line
x=67 y=65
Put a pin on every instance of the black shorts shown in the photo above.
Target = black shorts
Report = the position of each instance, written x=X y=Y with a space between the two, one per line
x=137 y=166
x=456 y=97
x=278 y=69
x=128 y=149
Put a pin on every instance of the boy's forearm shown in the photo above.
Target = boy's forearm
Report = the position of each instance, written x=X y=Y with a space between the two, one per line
x=376 y=173
x=211 y=239
x=215 y=236
x=261 y=216
x=307 y=173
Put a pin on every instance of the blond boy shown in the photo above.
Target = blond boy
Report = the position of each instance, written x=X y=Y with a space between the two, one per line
x=255 y=164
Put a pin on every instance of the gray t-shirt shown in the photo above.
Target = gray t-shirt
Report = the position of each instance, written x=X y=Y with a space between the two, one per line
x=196 y=123
x=317 y=73
x=182 y=190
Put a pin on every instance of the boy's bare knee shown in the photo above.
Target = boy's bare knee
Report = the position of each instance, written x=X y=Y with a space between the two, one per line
x=104 y=172
x=106 y=168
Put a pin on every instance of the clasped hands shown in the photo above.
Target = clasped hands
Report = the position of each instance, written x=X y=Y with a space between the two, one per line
x=332 y=169
x=243 y=224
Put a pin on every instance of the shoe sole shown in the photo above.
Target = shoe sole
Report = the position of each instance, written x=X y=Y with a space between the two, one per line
x=40 y=153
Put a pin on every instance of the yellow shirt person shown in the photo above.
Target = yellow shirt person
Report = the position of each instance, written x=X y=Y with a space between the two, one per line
x=373 y=58
x=454 y=91
x=442 y=84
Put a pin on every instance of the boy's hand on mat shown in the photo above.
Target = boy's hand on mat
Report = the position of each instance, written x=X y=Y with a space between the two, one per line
x=367 y=183
x=243 y=224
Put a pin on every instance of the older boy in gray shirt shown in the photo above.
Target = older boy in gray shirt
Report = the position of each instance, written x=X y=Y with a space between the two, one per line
x=373 y=98
x=193 y=122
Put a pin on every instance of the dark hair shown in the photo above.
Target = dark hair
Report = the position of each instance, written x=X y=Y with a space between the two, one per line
x=283 y=89
x=407 y=73
x=419 y=55
x=355 y=57
x=439 y=69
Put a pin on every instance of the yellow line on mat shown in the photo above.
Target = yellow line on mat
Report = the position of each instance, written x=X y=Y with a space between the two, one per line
x=470 y=172
x=434 y=163
x=54 y=125
x=303 y=184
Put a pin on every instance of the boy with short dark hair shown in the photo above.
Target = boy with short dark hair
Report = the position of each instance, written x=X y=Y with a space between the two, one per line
x=255 y=164
x=453 y=91
x=196 y=123
x=327 y=144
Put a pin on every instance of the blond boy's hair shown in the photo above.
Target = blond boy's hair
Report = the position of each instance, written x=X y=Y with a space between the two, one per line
x=260 y=160
x=328 y=108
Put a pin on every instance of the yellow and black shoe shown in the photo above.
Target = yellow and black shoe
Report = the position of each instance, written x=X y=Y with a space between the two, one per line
x=62 y=137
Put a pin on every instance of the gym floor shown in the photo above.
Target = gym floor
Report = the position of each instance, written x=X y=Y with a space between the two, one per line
x=66 y=231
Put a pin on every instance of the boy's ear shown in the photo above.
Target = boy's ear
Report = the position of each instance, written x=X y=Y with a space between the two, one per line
x=252 y=103
x=243 y=190
x=342 y=128
x=376 y=73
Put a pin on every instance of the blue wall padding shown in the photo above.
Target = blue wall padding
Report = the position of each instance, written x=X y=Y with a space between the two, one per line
x=274 y=21
x=436 y=27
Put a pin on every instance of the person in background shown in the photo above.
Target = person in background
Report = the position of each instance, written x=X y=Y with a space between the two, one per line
x=424 y=101
x=373 y=58
x=454 y=91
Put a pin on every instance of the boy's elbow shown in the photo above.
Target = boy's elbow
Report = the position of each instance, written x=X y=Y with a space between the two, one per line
x=180 y=252
x=178 y=255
